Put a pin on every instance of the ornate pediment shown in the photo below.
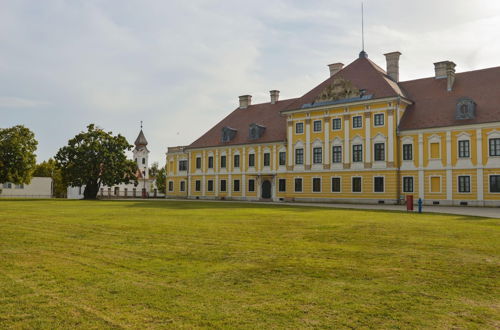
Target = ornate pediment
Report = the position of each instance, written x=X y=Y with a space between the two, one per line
x=339 y=89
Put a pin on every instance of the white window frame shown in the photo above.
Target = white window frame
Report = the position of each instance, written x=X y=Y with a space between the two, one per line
x=458 y=184
x=377 y=192
x=383 y=116
x=340 y=181
x=312 y=185
x=412 y=185
x=352 y=186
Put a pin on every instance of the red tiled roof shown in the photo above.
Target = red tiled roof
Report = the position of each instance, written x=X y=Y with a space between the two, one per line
x=265 y=114
x=434 y=106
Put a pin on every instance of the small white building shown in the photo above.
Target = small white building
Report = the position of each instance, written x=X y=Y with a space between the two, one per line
x=38 y=188
x=146 y=185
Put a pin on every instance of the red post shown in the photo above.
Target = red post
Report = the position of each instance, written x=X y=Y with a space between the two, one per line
x=409 y=203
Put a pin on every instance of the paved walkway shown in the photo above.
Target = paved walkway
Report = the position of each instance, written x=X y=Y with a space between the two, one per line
x=489 y=212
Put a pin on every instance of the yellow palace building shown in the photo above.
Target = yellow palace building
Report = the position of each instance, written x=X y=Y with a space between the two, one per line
x=361 y=136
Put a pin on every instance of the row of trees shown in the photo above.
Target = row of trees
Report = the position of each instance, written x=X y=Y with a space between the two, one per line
x=92 y=159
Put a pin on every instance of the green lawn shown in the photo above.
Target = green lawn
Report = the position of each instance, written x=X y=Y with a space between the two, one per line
x=152 y=264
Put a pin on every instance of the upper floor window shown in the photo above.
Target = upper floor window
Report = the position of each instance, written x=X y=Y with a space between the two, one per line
x=282 y=158
x=236 y=161
x=183 y=165
x=337 y=154
x=198 y=162
x=223 y=161
x=357 y=122
x=357 y=153
x=251 y=160
x=379 y=150
x=495 y=147
x=299 y=128
x=407 y=151
x=299 y=156
x=336 y=123
x=463 y=149
x=210 y=161
x=317 y=155
x=378 y=119
x=317 y=126
x=144 y=161
x=267 y=159
x=435 y=154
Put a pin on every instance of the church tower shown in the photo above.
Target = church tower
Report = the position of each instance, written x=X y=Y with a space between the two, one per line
x=141 y=153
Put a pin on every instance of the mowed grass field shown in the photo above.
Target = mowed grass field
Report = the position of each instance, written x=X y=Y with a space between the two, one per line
x=165 y=264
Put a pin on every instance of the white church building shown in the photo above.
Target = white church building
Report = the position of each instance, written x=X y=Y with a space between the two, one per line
x=146 y=185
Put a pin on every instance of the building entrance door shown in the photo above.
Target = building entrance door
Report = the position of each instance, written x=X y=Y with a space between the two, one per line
x=266 y=189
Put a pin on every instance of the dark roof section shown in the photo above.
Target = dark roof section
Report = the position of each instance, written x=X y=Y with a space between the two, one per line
x=364 y=74
x=141 y=140
x=264 y=114
x=434 y=106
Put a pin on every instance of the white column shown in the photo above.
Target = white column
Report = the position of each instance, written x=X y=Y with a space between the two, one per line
x=290 y=144
x=258 y=165
x=347 y=142
x=216 y=169
x=308 y=143
x=479 y=164
x=243 y=158
x=274 y=164
x=449 y=173
x=368 y=141
x=390 y=142
x=229 y=162
x=203 y=182
x=326 y=152
x=421 y=188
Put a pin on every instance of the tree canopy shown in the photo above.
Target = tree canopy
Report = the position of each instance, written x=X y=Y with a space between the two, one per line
x=96 y=158
x=161 y=180
x=17 y=154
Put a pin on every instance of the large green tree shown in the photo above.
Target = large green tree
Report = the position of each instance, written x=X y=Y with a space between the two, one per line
x=17 y=154
x=96 y=158
x=161 y=180
x=49 y=169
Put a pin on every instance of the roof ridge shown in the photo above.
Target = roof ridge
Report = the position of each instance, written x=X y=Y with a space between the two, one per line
x=456 y=73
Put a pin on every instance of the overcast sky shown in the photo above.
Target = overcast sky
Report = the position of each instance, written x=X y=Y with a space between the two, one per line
x=180 y=65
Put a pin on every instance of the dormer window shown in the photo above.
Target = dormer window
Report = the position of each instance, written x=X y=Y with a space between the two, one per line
x=466 y=109
x=228 y=134
x=256 y=131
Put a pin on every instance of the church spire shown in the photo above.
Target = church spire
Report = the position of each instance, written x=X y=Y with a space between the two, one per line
x=362 y=54
x=141 y=139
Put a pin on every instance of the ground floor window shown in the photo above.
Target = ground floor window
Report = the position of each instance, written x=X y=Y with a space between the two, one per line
x=282 y=185
x=236 y=185
x=335 y=184
x=170 y=186
x=316 y=184
x=435 y=184
x=183 y=185
x=408 y=184
x=223 y=184
x=464 y=184
x=298 y=185
x=210 y=185
x=117 y=191
x=251 y=185
x=356 y=184
x=378 y=184
x=197 y=185
x=494 y=183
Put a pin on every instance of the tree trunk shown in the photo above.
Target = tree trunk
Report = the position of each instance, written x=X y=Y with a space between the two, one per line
x=91 y=190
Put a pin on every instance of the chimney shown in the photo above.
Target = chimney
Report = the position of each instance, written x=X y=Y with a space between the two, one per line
x=445 y=69
x=335 y=67
x=275 y=95
x=245 y=101
x=392 y=60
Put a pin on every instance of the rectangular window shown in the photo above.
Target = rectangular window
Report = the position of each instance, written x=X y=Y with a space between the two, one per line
x=298 y=185
x=236 y=161
x=435 y=150
x=282 y=185
x=198 y=163
x=299 y=128
x=317 y=155
x=197 y=185
x=435 y=184
x=236 y=185
x=378 y=184
x=495 y=147
x=7 y=185
x=378 y=119
x=282 y=158
x=223 y=185
x=356 y=184
x=337 y=154
x=463 y=149
x=494 y=183
x=336 y=124
x=408 y=184
x=299 y=156
x=316 y=185
x=251 y=160
x=183 y=165
x=170 y=186
x=379 y=151
x=143 y=161
x=407 y=152
x=317 y=126
x=267 y=159
x=210 y=162
x=357 y=122
x=210 y=185
x=251 y=185
x=357 y=153
x=335 y=184
x=223 y=161
x=183 y=186
x=464 y=183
